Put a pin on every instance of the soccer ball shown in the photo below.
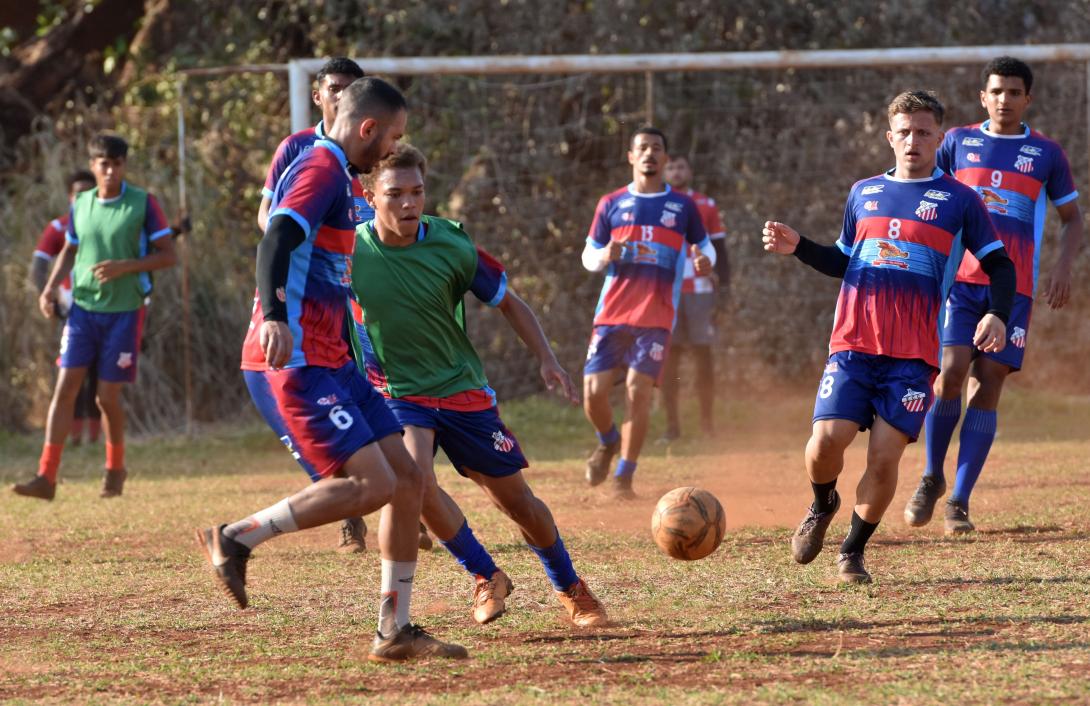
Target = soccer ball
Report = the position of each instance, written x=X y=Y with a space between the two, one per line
x=688 y=523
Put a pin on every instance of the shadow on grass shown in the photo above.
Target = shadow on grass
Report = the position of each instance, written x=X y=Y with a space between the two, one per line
x=779 y=627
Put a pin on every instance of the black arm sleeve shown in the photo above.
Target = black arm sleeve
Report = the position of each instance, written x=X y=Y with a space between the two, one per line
x=273 y=259
x=826 y=259
x=722 y=262
x=1003 y=282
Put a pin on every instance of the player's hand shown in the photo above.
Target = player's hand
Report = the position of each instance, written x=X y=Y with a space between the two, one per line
x=275 y=339
x=556 y=378
x=991 y=334
x=108 y=270
x=1058 y=286
x=779 y=238
x=613 y=252
x=702 y=264
x=47 y=302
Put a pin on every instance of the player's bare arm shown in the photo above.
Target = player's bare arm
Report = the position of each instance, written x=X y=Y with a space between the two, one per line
x=528 y=328
x=1058 y=285
x=47 y=300
x=263 y=213
x=162 y=256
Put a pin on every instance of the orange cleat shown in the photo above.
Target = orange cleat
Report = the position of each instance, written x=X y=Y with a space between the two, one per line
x=489 y=597
x=584 y=609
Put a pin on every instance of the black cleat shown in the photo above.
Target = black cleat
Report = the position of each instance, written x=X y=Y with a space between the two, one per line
x=113 y=483
x=228 y=559
x=921 y=506
x=808 y=538
x=353 y=532
x=37 y=487
x=850 y=569
x=957 y=518
x=411 y=642
x=598 y=463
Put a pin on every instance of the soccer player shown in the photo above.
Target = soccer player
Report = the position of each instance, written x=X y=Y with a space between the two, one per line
x=116 y=235
x=1016 y=171
x=50 y=243
x=410 y=273
x=700 y=296
x=639 y=236
x=901 y=230
x=298 y=370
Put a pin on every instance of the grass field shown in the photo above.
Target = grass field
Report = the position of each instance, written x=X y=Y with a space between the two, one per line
x=105 y=601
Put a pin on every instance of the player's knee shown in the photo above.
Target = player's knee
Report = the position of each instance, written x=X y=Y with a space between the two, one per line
x=824 y=446
x=409 y=479
x=949 y=383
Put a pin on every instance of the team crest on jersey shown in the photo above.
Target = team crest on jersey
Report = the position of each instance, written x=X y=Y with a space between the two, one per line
x=657 y=351
x=124 y=360
x=1018 y=337
x=871 y=205
x=501 y=442
x=672 y=206
x=914 y=400
x=1024 y=164
x=872 y=189
x=973 y=142
x=973 y=157
x=1031 y=150
x=668 y=219
x=890 y=254
x=327 y=400
x=628 y=216
x=937 y=195
x=927 y=210
x=627 y=203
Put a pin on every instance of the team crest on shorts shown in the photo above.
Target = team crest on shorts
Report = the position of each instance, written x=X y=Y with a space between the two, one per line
x=502 y=442
x=913 y=400
x=124 y=360
x=657 y=350
x=1018 y=337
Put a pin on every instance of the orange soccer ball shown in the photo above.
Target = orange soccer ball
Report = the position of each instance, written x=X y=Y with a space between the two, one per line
x=688 y=523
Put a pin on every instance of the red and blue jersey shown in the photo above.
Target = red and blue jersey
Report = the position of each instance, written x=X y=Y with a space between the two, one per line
x=905 y=238
x=296 y=144
x=643 y=287
x=315 y=192
x=1016 y=176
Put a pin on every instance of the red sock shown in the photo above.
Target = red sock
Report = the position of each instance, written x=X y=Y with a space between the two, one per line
x=77 y=428
x=93 y=427
x=115 y=456
x=50 y=461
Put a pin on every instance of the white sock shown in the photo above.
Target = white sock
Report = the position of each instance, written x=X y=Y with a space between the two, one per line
x=263 y=525
x=397 y=593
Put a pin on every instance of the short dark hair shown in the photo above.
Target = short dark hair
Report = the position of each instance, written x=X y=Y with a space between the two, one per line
x=78 y=176
x=108 y=145
x=339 y=65
x=1008 y=66
x=915 y=101
x=680 y=156
x=647 y=130
x=372 y=97
x=404 y=156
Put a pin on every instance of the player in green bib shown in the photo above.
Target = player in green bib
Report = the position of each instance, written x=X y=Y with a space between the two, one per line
x=116 y=235
x=409 y=274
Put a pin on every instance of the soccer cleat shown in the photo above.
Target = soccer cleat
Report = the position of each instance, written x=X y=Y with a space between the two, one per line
x=598 y=463
x=228 y=559
x=425 y=541
x=36 y=487
x=808 y=538
x=850 y=569
x=669 y=436
x=353 y=532
x=921 y=506
x=584 y=609
x=622 y=487
x=113 y=483
x=410 y=642
x=489 y=597
x=957 y=518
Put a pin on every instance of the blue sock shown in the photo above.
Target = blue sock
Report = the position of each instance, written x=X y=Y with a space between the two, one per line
x=977 y=434
x=939 y=425
x=625 y=467
x=610 y=437
x=557 y=564
x=470 y=553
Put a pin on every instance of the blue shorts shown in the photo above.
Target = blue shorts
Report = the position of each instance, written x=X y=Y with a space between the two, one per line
x=110 y=341
x=475 y=441
x=323 y=415
x=624 y=346
x=860 y=386
x=967 y=305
